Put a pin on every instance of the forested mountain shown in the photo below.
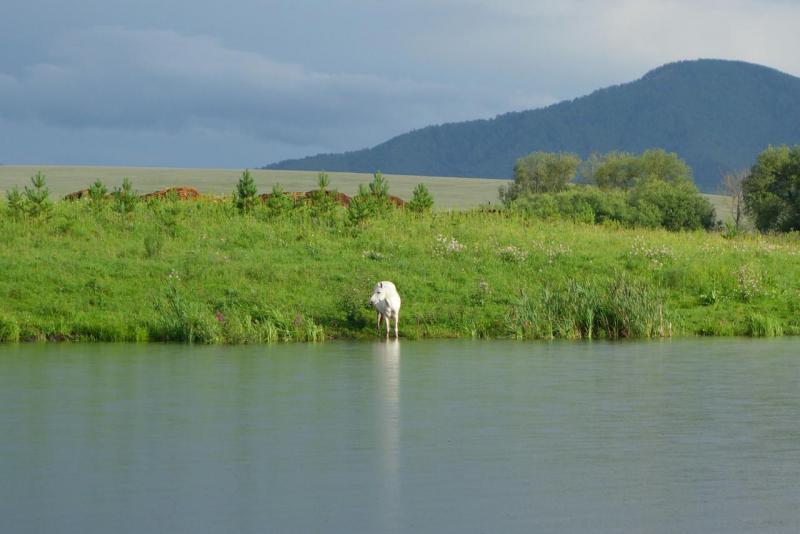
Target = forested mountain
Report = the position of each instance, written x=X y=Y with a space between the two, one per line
x=717 y=115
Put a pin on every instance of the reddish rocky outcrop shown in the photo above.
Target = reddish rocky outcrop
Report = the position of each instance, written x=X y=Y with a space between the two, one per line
x=182 y=193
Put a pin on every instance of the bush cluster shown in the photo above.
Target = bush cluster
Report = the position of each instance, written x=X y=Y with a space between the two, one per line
x=654 y=190
x=652 y=204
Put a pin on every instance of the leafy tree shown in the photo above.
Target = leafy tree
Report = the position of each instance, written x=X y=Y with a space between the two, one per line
x=245 y=194
x=662 y=165
x=772 y=190
x=615 y=170
x=541 y=172
x=421 y=199
x=674 y=206
x=623 y=170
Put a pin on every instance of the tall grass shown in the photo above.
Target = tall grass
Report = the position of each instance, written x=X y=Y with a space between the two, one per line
x=612 y=309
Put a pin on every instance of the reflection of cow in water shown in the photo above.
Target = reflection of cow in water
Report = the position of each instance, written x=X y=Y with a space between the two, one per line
x=386 y=301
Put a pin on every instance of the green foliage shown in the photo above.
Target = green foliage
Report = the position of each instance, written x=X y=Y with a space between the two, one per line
x=362 y=206
x=181 y=319
x=153 y=243
x=612 y=309
x=278 y=203
x=421 y=199
x=674 y=206
x=541 y=172
x=97 y=194
x=15 y=203
x=323 y=181
x=653 y=204
x=125 y=198
x=772 y=190
x=9 y=329
x=37 y=198
x=322 y=200
x=760 y=325
x=371 y=200
x=379 y=186
x=245 y=196
x=33 y=202
x=622 y=170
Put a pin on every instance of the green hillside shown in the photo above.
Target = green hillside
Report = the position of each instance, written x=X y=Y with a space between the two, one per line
x=717 y=115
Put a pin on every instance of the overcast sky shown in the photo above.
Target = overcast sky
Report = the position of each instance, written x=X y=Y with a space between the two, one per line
x=244 y=83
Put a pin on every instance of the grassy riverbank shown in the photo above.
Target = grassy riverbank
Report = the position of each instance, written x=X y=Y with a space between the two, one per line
x=200 y=270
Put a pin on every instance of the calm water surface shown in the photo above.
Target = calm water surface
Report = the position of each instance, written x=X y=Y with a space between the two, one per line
x=679 y=436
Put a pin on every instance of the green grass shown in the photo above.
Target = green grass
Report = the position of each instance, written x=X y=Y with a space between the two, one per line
x=200 y=271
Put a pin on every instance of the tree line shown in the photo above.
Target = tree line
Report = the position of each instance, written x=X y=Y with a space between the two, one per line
x=655 y=188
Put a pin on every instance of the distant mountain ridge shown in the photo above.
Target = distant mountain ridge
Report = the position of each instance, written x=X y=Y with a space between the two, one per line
x=716 y=114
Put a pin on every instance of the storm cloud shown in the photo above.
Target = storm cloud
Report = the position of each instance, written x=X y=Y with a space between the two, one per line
x=187 y=83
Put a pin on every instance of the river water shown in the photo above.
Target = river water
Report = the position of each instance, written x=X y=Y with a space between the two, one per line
x=435 y=436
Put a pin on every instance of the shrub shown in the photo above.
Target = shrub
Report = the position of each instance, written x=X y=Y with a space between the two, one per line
x=97 y=194
x=421 y=199
x=37 y=198
x=676 y=206
x=370 y=200
x=581 y=204
x=278 y=202
x=125 y=198
x=15 y=203
x=322 y=200
x=379 y=187
x=362 y=206
x=244 y=197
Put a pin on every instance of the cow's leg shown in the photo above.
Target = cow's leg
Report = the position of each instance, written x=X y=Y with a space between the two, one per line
x=396 y=320
x=386 y=318
x=378 y=326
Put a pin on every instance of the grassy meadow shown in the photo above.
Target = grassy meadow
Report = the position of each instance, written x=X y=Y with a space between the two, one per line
x=201 y=271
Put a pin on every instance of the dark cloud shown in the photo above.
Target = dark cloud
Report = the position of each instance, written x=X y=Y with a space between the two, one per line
x=277 y=79
x=163 y=81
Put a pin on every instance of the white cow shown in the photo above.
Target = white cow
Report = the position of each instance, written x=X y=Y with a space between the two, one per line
x=386 y=301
